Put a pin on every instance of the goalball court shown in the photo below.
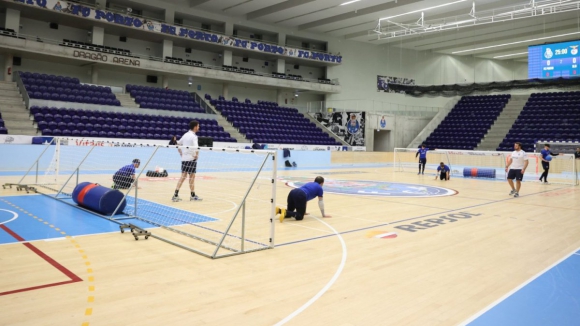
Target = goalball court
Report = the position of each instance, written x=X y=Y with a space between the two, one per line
x=399 y=249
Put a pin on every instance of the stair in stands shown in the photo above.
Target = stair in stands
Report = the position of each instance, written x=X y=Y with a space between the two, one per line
x=331 y=134
x=16 y=118
x=127 y=101
x=225 y=123
x=504 y=122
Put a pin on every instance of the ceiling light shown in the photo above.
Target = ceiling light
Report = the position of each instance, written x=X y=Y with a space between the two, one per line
x=509 y=55
x=416 y=11
x=512 y=43
x=349 y=2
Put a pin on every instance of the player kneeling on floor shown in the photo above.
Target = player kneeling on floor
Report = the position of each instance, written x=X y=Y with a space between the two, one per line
x=443 y=171
x=297 y=199
x=125 y=176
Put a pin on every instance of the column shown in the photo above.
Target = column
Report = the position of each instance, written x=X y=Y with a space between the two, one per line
x=280 y=97
x=170 y=15
x=8 y=67
x=98 y=35
x=167 y=48
x=227 y=54
x=12 y=20
x=94 y=75
x=281 y=63
x=225 y=91
x=165 y=79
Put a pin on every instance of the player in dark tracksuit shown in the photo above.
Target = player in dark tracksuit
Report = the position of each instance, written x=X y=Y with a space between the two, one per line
x=422 y=153
x=546 y=164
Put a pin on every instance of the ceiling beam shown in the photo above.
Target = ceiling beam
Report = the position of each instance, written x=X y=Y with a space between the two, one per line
x=360 y=12
x=195 y=3
x=276 y=8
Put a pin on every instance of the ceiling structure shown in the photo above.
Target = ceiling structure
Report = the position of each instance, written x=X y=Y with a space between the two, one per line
x=355 y=21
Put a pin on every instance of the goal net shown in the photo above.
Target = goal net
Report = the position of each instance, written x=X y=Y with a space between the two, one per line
x=236 y=188
x=486 y=164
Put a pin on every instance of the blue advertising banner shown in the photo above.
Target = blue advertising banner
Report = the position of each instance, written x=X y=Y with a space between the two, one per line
x=159 y=27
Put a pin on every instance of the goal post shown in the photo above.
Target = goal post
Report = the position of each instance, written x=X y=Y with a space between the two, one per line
x=462 y=163
x=237 y=188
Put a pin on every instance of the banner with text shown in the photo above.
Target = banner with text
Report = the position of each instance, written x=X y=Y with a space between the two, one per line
x=76 y=9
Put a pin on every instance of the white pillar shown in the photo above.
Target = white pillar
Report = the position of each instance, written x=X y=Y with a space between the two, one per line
x=281 y=63
x=8 y=67
x=280 y=97
x=12 y=20
x=94 y=75
x=165 y=81
x=170 y=15
x=225 y=91
x=227 y=55
x=98 y=35
x=167 y=48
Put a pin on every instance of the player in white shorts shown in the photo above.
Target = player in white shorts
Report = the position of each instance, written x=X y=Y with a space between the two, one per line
x=516 y=167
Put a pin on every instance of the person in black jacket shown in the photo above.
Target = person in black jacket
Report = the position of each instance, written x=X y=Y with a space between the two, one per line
x=173 y=141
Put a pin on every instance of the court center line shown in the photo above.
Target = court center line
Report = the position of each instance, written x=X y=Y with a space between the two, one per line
x=328 y=285
x=507 y=295
x=413 y=218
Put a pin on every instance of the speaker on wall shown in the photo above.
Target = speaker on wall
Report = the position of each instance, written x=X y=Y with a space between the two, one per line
x=296 y=67
x=152 y=79
x=245 y=59
x=16 y=61
x=187 y=50
x=53 y=25
x=123 y=39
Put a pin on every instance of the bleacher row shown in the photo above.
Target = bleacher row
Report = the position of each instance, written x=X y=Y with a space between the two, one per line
x=66 y=89
x=91 y=123
x=163 y=99
x=266 y=122
x=468 y=122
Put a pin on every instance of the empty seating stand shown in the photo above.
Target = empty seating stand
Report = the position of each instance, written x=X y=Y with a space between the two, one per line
x=163 y=99
x=86 y=123
x=553 y=116
x=468 y=122
x=97 y=48
x=179 y=61
x=266 y=122
x=66 y=89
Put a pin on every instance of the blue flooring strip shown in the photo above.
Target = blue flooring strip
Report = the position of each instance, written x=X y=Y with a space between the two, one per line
x=551 y=299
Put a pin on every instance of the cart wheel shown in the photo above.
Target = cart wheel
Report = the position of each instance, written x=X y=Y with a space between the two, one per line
x=136 y=238
x=146 y=237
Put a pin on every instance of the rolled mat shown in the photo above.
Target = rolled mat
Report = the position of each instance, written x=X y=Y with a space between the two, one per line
x=479 y=173
x=97 y=198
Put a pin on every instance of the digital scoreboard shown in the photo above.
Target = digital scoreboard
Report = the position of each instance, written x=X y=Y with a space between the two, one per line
x=554 y=60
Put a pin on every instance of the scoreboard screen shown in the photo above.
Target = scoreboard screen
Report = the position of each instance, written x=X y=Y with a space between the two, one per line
x=554 y=60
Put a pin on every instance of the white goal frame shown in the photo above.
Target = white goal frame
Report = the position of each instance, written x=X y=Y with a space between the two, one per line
x=563 y=168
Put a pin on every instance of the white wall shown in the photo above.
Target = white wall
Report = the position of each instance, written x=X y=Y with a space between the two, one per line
x=42 y=29
x=135 y=46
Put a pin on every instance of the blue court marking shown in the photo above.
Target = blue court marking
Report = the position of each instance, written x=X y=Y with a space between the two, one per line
x=73 y=221
x=553 y=298
x=410 y=219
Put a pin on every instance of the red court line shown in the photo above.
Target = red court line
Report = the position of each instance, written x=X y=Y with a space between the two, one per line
x=73 y=277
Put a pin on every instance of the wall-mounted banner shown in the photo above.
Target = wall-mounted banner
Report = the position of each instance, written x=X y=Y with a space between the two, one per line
x=350 y=126
x=384 y=81
x=159 y=27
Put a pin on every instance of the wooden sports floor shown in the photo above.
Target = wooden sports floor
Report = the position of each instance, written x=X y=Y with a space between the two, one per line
x=378 y=260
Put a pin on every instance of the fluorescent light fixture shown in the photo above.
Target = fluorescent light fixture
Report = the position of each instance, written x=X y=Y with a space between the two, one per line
x=420 y=10
x=509 y=55
x=349 y=2
x=512 y=43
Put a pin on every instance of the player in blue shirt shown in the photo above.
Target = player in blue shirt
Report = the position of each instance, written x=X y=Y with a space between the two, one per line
x=125 y=176
x=297 y=199
x=422 y=153
x=443 y=172
x=546 y=164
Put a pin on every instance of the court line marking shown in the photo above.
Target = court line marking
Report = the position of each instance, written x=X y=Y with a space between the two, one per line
x=311 y=228
x=73 y=278
x=15 y=216
x=413 y=218
x=327 y=286
x=510 y=293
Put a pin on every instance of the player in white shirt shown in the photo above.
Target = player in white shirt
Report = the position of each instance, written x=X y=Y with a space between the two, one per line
x=188 y=160
x=517 y=164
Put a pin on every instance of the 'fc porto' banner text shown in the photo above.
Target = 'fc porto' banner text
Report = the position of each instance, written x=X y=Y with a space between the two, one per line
x=349 y=126
x=384 y=81
x=158 y=27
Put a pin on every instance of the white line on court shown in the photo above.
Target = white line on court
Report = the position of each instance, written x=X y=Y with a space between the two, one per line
x=507 y=295
x=327 y=286
x=15 y=216
x=307 y=227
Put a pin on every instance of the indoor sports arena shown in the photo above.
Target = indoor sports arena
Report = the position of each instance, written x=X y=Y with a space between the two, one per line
x=290 y=162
